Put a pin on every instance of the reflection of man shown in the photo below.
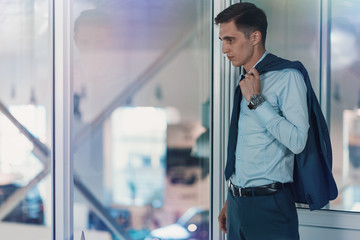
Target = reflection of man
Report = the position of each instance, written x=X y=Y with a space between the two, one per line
x=272 y=126
x=93 y=31
x=97 y=71
x=94 y=83
x=93 y=37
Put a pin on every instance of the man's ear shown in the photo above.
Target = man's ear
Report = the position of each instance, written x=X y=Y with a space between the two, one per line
x=256 y=37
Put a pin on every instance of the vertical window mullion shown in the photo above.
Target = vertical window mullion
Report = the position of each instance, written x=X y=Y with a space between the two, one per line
x=62 y=180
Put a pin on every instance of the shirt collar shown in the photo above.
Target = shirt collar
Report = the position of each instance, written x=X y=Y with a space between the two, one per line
x=242 y=67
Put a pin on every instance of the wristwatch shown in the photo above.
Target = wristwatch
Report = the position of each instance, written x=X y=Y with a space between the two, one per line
x=255 y=101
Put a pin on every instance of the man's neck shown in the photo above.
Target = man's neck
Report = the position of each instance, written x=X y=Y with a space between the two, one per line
x=256 y=57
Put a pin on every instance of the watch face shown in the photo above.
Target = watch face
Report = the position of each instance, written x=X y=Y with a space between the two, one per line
x=255 y=101
x=251 y=105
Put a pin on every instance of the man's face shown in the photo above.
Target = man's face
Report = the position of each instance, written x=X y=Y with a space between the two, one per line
x=94 y=44
x=237 y=47
x=93 y=39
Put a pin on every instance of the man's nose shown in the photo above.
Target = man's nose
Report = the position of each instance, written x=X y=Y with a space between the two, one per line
x=225 y=48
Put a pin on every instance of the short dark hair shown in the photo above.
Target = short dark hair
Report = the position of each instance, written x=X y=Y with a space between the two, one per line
x=248 y=18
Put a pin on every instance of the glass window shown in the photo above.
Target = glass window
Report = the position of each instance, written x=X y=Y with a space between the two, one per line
x=345 y=102
x=25 y=119
x=141 y=80
x=293 y=36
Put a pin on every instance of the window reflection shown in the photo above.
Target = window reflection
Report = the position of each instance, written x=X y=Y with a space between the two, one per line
x=25 y=119
x=138 y=156
x=16 y=150
x=141 y=113
x=294 y=37
x=345 y=105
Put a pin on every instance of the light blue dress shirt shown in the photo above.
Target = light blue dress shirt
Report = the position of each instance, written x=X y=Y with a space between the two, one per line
x=270 y=135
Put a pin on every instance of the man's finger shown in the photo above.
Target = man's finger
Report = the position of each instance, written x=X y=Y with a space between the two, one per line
x=248 y=75
x=254 y=72
x=223 y=228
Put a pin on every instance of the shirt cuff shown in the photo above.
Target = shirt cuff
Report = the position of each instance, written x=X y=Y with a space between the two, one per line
x=265 y=113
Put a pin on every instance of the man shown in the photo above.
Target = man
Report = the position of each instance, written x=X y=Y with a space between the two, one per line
x=269 y=125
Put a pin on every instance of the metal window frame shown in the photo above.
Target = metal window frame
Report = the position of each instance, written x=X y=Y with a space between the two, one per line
x=62 y=140
x=325 y=58
x=223 y=87
x=62 y=169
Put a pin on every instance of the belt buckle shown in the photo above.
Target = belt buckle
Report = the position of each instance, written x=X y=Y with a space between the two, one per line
x=232 y=188
x=240 y=195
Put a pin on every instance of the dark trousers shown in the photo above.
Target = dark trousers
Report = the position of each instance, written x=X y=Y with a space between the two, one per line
x=271 y=217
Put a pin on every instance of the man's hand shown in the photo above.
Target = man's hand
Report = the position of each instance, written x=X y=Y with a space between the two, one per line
x=250 y=85
x=222 y=218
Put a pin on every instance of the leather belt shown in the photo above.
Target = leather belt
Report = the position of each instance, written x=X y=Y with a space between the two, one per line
x=263 y=190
